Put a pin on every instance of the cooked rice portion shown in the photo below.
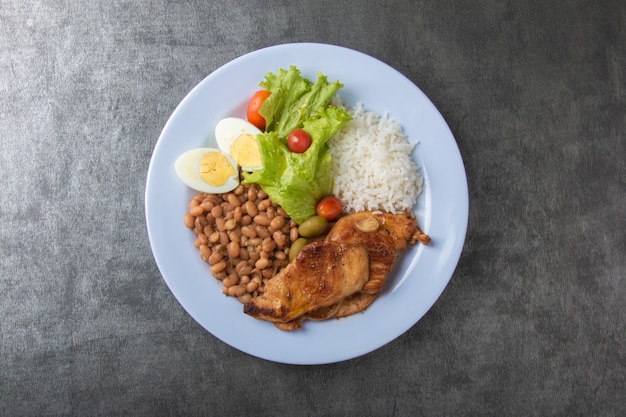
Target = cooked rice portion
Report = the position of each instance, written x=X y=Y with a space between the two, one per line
x=372 y=164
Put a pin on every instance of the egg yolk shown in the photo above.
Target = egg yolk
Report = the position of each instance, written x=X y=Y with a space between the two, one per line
x=215 y=168
x=245 y=151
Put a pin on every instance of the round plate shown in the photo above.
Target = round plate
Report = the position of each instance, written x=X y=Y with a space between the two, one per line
x=420 y=274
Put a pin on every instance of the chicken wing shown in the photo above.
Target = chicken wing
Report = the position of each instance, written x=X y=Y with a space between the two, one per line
x=322 y=274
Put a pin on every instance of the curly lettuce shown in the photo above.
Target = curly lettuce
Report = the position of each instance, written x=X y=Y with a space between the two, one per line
x=296 y=181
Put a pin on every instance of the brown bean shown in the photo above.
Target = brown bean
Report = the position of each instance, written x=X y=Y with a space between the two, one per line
x=277 y=223
x=237 y=290
x=293 y=234
x=279 y=238
x=246 y=220
x=234 y=236
x=262 y=263
x=218 y=267
x=268 y=245
x=207 y=205
x=196 y=211
x=224 y=240
x=261 y=194
x=239 y=190
x=254 y=242
x=246 y=270
x=238 y=214
x=217 y=211
x=216 y=257
x=203 y=238
x=261 y=231
x=252 y=193
x=205 y=253
x=252 y=286
x=240 y=265
x=214 y=237
x=241 y=290
x=230 y=280
x=264 y=204
x=230 y=224
x=262 y=219
x=189 y=220
x=232 y=249
x=248 y=231
x=250 y=208
x=220 y=223
x=244 y=298
x=233 y=200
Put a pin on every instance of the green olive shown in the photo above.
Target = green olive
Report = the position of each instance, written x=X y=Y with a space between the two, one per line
x=313 y=226
x=295 y=247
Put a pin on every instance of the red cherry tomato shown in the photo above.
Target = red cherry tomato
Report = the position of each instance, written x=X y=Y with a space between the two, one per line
x=298 y=141
x=329 y=207
x=253 y=108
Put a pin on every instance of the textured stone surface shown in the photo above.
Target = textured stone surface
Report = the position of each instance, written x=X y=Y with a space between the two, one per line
x=533 y=321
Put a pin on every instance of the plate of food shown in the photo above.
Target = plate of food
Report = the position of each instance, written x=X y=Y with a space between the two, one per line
x=306 y=203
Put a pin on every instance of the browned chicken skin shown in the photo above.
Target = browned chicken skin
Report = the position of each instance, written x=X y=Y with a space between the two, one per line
x=384 y=235
x=302 y=290
x=322 y=274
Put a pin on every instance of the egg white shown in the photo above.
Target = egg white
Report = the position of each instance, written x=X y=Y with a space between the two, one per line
x=187 y=167
x=229 y=129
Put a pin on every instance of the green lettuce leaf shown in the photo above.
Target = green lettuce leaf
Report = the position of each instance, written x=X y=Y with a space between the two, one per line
x=295 y=181
x=293 y=99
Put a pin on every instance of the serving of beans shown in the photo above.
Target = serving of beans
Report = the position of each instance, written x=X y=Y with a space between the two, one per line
x=243 y=235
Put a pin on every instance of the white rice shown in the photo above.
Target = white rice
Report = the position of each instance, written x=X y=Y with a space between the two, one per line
x=372 y=164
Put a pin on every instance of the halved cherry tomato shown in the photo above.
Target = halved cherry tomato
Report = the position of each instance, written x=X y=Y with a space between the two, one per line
x=298 y=141
x=253 y=108
x=329 y=207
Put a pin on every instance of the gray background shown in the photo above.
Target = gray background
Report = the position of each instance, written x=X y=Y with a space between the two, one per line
x=533 y=320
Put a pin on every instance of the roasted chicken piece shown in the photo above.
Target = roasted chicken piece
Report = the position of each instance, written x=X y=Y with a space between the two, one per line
x=385 y=236
x=322 y=274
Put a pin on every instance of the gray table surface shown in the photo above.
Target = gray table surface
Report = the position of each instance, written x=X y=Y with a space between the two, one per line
x=533 y=320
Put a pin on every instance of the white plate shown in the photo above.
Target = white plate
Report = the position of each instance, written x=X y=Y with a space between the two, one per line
x=420 y=275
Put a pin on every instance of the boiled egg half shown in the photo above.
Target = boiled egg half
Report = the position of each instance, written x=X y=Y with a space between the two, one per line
x=207 y=170
x=237 y=137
